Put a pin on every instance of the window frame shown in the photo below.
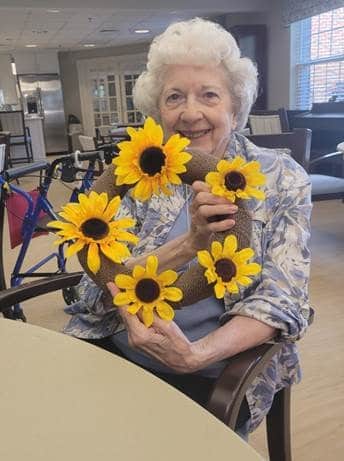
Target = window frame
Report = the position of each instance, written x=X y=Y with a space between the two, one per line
x=302 y=88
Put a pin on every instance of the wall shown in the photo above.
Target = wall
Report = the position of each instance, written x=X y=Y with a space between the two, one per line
x=278 y=51
x=69 y=73
x=36 y=62
x=278 y=58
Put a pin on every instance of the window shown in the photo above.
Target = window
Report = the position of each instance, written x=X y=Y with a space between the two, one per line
x=318 y=47
x=112 y=97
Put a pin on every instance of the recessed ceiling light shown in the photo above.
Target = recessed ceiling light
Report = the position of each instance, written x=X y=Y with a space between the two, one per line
x=89 y=45
x=31 y=46
x=53 y=10
x=141 y=31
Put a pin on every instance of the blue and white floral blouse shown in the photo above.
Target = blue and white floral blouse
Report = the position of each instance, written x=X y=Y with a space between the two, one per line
x=278 y=295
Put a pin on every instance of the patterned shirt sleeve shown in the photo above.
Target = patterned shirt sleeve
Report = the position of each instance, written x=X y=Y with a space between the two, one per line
x=280 y=298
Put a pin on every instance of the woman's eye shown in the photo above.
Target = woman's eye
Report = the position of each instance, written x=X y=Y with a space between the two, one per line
x=210 y=95
x=174 y=97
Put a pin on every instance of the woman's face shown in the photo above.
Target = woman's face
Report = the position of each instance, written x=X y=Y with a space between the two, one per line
x=195 y=102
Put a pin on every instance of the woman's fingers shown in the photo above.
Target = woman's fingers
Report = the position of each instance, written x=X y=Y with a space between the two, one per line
x=200 y=186
x=202 y=198
x=213 y=210
x=221 y=226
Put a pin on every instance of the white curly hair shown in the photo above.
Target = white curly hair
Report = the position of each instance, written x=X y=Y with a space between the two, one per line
x=198 y=42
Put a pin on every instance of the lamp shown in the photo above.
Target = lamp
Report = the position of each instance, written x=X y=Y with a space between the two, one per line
x=13 y=66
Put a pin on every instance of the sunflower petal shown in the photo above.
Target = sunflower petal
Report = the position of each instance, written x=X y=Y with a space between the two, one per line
x=93 y=259
x=213 y=178
x=205 y=259
x=243 y=255
x=255 y=193
x=243 y=280
x=121 y=299
x=210 y=275
x=220 y=290
x=232 y=287
x=112 y=208
x=134 y=308
x=143 y=190
x=164 y=310
x=74 y=248
x=168 y=277
x=147 y=315
x=172 y=294
x=250 y=269
x=115 y=251
x=151 y=265
x=216 y=250
x=230 y=246
x=125 y=281
x=138 y=272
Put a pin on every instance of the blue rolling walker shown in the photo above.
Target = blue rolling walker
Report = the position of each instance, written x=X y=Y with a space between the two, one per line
x=66 y=167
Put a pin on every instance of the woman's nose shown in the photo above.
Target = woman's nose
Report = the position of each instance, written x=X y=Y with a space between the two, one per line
x=191 y=112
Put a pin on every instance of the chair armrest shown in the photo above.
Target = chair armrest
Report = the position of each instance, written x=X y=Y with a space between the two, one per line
x=231 y=386
x=326 y=157
x=36 y=288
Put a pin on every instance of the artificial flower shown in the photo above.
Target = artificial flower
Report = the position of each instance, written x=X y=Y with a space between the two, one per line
x=148 y=291
x=148 y=163
x=90 y=222
x=227 y=267
x=237 y=178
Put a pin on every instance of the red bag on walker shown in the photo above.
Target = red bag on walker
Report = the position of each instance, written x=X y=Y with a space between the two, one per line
x=16 y=210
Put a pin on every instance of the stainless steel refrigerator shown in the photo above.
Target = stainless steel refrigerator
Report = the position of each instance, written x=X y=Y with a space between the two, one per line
x=42 y=95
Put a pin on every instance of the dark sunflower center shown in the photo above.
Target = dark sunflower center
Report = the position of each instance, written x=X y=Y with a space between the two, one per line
x=235 y=180
x=226 y=269
x=152 y=160
x=95 y=228
x=147 y=290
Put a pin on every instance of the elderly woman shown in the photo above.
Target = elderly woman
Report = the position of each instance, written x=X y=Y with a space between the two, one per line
x=196 y=84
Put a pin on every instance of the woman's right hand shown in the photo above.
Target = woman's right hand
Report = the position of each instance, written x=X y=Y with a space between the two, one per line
x=206 y=205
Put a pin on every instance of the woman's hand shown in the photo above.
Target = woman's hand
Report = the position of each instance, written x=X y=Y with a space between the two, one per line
x=163 y=340
x=204 y=207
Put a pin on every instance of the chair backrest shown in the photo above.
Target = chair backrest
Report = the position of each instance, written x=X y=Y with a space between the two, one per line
x=268 y=121
x=87 y=143
x=5 y=141
x=297 y=141
x=2 y=157
x=2 y=217
x=13 y=122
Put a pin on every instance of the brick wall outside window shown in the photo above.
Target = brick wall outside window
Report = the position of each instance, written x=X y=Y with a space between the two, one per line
x=319 y=59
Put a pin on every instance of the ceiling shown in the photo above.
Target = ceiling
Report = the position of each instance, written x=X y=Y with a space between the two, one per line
x=75 y=23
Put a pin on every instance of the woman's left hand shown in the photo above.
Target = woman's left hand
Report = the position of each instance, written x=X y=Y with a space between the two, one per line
x=163 y=340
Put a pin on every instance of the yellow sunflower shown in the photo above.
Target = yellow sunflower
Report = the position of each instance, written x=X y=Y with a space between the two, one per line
x=148 y=163
x=237 y=178
x=90 y=222
x=147 y=290
x=228 y=267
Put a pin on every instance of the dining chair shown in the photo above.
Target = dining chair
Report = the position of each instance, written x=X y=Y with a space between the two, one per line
x=298 y=143
x=20 y=135
x=268 y=121
x=87 y=143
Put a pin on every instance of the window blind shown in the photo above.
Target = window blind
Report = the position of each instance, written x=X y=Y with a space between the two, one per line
x=318 y=46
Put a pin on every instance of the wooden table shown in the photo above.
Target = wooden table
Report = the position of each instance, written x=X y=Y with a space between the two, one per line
x=63 y=399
